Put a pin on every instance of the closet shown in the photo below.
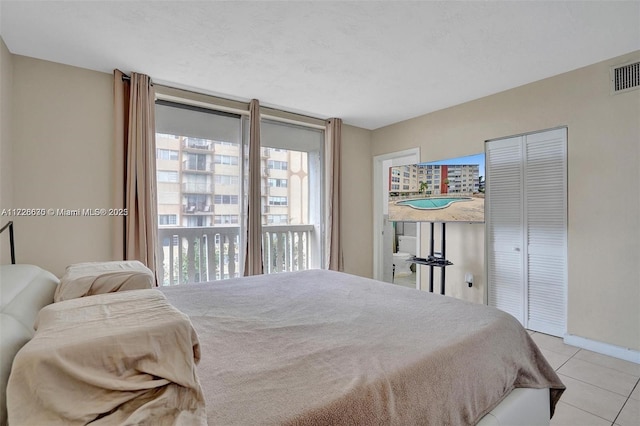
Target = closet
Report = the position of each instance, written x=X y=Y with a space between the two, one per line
x=526 y=228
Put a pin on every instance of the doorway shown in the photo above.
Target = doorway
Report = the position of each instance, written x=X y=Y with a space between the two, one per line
x=383 y=230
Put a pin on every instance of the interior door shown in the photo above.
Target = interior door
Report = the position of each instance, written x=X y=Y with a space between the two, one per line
x=504 y=224
x=546 y=223
x=526 y=229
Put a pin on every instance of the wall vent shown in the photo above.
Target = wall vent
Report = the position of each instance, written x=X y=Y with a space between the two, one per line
x=625 y=77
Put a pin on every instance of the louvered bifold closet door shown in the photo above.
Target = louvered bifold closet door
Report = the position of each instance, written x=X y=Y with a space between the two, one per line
x=504 y=217
x=546 y=223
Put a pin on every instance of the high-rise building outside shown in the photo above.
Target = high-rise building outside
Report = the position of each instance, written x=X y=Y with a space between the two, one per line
x=200 y=183
x=430 y=180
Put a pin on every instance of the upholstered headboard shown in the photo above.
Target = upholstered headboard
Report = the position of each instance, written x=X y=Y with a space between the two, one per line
x=24 y=290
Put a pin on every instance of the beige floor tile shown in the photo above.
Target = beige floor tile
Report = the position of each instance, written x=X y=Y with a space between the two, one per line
x=630 y=414
x=592 y=399
x=567 y=415
x=555 y=344
x=408 y=281
x=602 y=377
x=555 y=359
x=610 y=362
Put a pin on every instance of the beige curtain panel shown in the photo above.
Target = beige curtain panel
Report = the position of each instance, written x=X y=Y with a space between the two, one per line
x=253 y=246
x=134 y=112
x=333 y=138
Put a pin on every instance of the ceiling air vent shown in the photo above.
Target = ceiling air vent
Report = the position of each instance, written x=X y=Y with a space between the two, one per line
x=625 y=77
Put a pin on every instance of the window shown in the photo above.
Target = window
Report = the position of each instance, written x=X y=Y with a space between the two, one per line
x=226 y=159
x=225 y=219
x=211 y=147
x=295 y=160
x=226 y=180
x=166 y=154
x=225 y=199
x=277 y=165
x=167 y=219
x=167 y=176
x=278 y=183
x=278 y=201
x=277 y=218
x=198 y=221
x=199 y=162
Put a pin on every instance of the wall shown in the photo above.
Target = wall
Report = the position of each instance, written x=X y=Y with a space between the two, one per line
x=603 y=177
x=357 y=203
x=6 y=146
x=62 y=159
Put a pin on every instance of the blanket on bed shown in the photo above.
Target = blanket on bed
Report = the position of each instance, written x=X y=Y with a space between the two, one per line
x=327 y=348
x=124 y=358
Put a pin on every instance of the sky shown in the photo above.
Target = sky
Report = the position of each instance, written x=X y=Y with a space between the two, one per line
x=469 y=159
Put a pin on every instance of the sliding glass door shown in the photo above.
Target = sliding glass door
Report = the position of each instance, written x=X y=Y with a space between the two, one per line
x=202 y=150
x=201 y=163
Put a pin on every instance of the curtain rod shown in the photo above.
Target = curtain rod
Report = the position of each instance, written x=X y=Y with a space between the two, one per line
x=127 y=78
x=266 y=109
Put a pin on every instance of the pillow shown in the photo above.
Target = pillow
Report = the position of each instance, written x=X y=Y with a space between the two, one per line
x=87 y=279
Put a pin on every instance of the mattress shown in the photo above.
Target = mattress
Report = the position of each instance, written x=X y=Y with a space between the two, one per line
x=327 y=348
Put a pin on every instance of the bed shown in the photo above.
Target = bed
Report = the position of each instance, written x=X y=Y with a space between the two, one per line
x=327 y=348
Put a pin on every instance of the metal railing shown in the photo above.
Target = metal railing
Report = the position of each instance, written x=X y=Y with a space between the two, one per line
x=200 y=254
x=197 y=144
x=197 y=188
x=195 y=166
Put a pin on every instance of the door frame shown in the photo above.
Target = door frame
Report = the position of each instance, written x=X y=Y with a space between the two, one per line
x=380 y=196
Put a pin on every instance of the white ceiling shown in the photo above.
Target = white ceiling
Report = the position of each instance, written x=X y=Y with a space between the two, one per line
x=370 y=63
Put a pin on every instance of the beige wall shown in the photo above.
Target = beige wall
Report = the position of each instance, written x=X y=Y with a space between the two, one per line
x=62 y=159
x=6 y=146
x=357 y=204
x=603 y=184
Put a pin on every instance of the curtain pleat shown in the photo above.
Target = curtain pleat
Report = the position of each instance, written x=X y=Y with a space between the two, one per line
x=135 y=144
x=121 y=120
x=253 y=246
x=333 y=248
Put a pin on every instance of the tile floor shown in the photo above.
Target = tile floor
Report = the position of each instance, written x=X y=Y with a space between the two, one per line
x=601 y=390
x=408 y=281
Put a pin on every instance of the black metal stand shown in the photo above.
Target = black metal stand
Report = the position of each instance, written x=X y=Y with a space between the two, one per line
x=11 y=242
x=435 y=262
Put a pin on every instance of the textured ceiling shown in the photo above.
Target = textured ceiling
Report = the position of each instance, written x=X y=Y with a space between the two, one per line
x=370 y=63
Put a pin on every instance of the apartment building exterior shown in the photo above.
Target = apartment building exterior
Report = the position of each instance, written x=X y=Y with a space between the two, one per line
x=200 y=183
x=432 y=180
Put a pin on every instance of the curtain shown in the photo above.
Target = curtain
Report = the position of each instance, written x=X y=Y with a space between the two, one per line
x=333 y=137
x=134 y=113
x=253 y=245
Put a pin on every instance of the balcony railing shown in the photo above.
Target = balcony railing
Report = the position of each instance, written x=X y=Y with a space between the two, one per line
x=195 y=166
x=191 y=255
x=197 y=209
x=197 y=188
x=197 y=144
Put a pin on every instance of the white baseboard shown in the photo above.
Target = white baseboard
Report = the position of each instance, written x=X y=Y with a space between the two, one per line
x=603 y=348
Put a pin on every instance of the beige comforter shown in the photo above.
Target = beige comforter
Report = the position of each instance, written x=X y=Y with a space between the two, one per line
x=124 y=358
x=325 y=348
